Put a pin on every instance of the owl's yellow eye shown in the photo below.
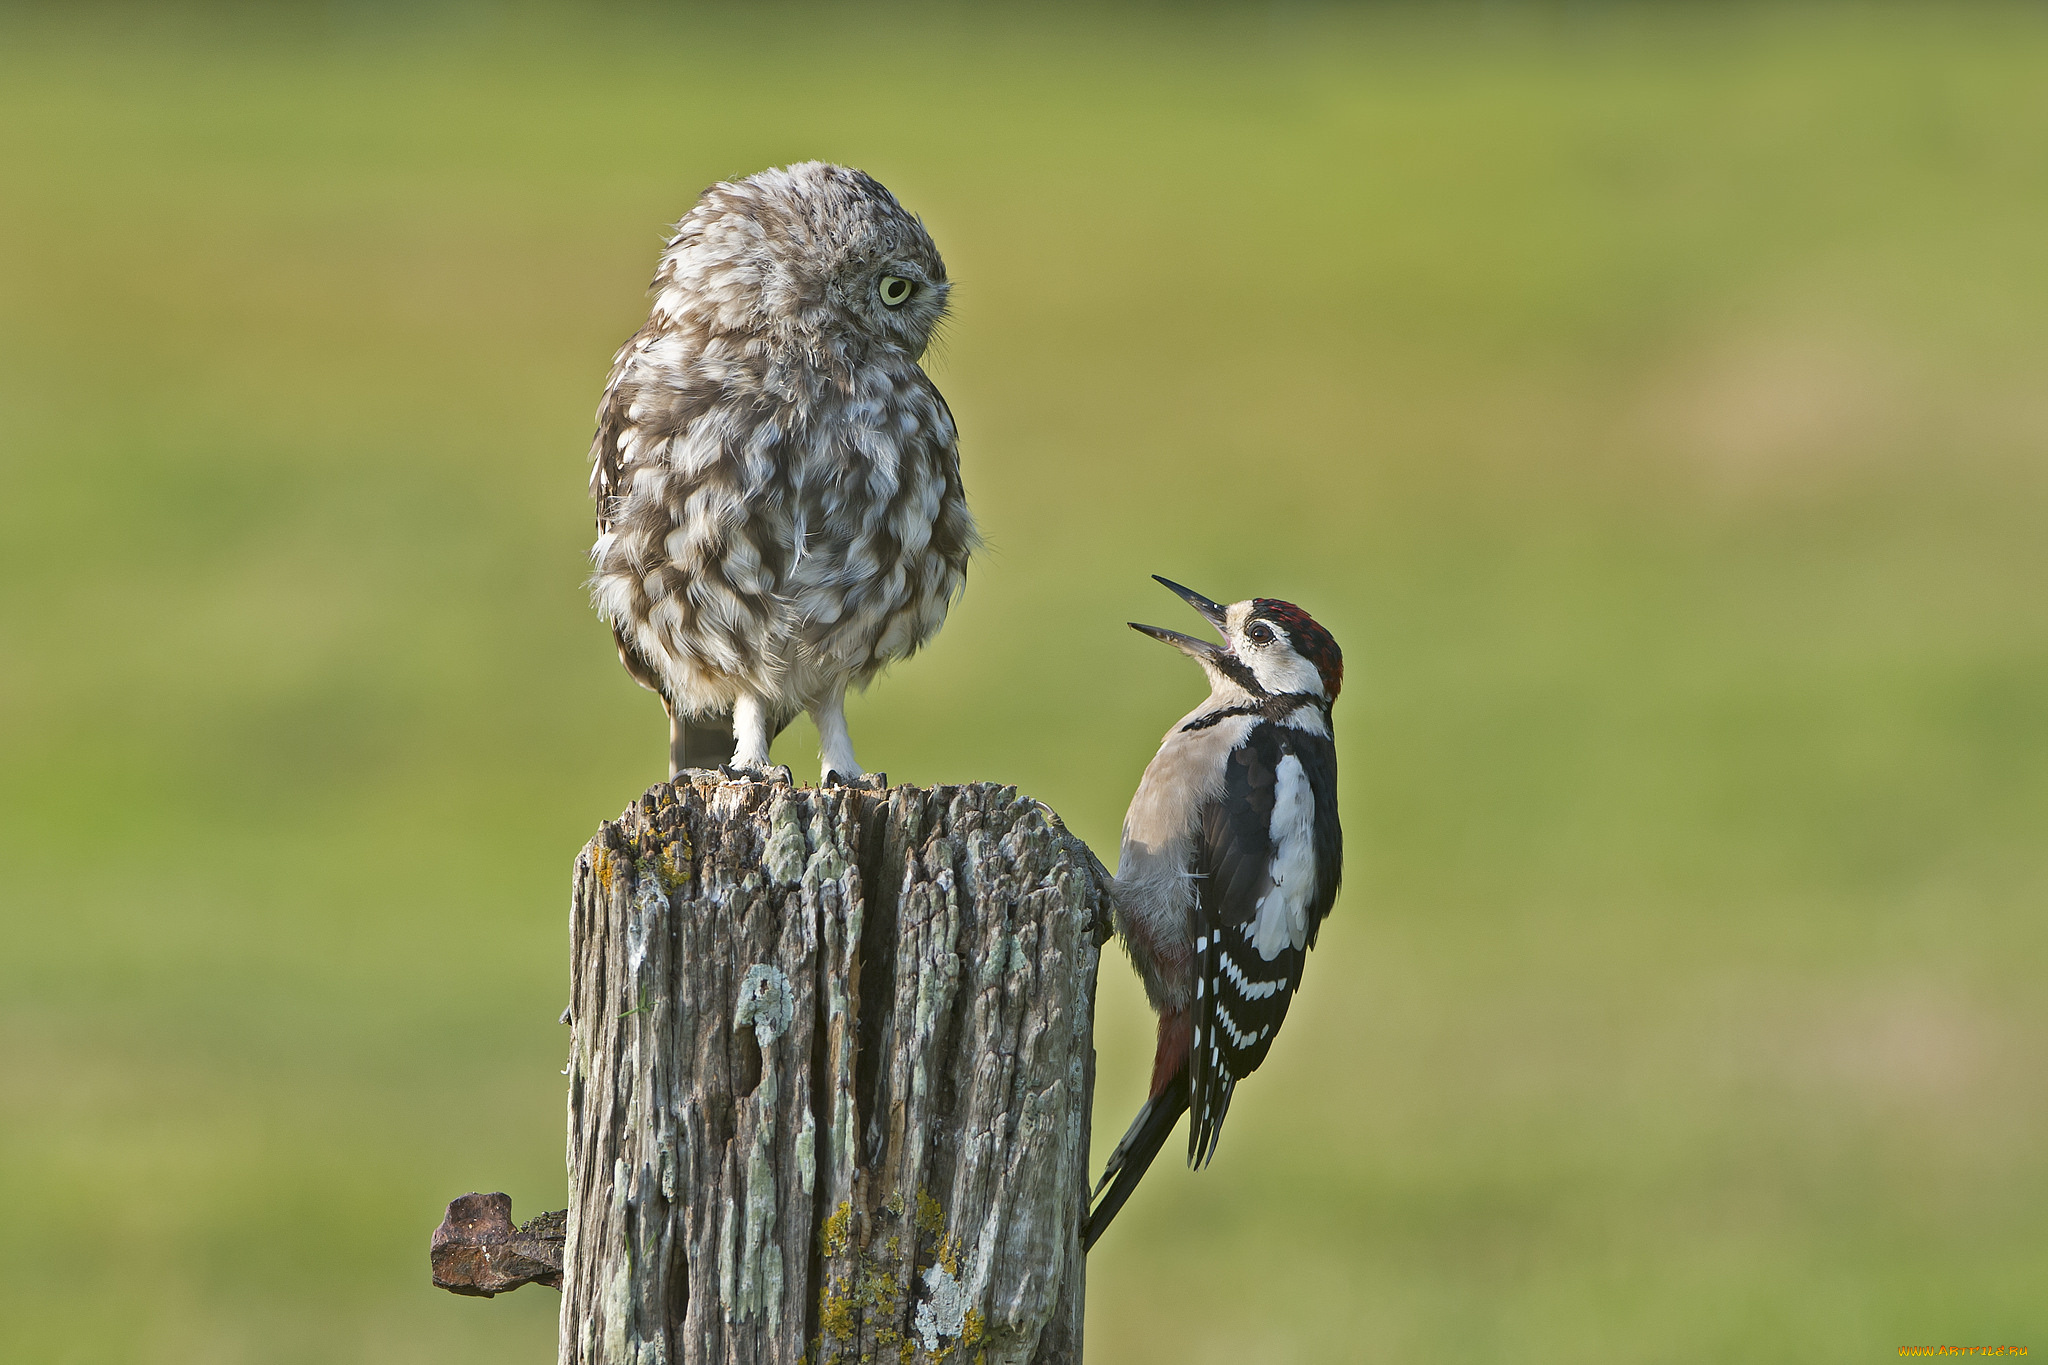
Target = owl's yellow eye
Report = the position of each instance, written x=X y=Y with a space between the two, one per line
x=895 y=289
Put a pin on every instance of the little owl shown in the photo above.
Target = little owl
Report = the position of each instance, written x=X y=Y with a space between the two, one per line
x=779 y=509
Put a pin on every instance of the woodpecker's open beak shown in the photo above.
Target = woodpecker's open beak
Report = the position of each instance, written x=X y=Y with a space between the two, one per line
x=1198 y=650
x=1211 y=613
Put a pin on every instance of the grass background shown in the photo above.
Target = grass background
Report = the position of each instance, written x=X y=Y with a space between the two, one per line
x=1652 y=399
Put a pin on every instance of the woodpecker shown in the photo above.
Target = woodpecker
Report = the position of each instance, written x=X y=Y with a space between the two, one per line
x=1231 y=857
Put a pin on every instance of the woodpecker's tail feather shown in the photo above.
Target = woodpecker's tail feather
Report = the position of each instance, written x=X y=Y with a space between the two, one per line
x=1128 y=1163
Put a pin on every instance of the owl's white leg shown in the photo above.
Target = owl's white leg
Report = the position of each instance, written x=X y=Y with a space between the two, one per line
x=835 y=746
x=751 y=730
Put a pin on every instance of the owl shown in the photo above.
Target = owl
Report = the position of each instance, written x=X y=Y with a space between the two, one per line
x=779 y=507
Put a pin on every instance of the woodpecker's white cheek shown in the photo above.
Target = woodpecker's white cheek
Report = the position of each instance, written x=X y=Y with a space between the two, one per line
x=1281 y=920
x=1281 y=672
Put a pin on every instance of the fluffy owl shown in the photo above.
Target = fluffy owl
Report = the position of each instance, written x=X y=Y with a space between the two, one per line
x=779 y=509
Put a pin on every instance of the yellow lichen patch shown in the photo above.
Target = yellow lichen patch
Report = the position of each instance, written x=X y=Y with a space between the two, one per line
x=949 y=1256
x=874 y=1299
x=880 y=1290
x=601 y=864
x=835 y=1313
x=930 y=1217
x=836 y=1235
x=675 y=860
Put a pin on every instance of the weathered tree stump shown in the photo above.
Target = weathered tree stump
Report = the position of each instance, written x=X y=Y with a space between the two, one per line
x=830 y=1078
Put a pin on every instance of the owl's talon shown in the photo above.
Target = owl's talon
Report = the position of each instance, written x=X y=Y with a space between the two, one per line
x=860 y=782
x=766 y=773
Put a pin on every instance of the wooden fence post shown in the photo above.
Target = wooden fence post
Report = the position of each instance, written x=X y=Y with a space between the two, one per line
x=830 y=1074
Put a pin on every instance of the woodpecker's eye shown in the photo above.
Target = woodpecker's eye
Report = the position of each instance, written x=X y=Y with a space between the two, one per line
x=895 y=289
x=1259 y=633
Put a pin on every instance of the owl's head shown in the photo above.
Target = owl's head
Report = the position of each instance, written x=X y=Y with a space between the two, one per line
x=805 y=255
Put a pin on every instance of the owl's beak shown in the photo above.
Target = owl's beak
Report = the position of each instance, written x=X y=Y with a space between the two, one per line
x=1198 y=650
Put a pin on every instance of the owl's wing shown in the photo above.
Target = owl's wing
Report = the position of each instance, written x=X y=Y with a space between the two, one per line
x=1267 y=862
x=618 y=436
x=630 y=430
x=955 y=536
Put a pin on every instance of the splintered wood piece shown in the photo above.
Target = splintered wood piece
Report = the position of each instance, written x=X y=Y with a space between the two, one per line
x=476 y=1250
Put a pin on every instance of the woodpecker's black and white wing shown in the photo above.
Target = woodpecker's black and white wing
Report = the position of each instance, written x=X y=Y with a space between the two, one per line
x=1267 y=863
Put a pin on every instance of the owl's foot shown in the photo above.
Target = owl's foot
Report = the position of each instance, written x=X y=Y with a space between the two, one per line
x=765 y=772
x=863 y=782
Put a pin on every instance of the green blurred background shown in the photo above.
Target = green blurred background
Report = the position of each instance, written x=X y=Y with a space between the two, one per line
x=1653 y=401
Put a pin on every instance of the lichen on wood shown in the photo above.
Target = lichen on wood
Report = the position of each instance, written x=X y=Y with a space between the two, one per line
x=830 y=1075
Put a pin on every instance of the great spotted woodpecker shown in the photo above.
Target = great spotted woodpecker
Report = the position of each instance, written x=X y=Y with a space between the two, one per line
x=1231 y=856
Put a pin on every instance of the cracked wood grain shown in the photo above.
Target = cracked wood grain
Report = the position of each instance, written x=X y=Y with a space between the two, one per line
x=830 y=1073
